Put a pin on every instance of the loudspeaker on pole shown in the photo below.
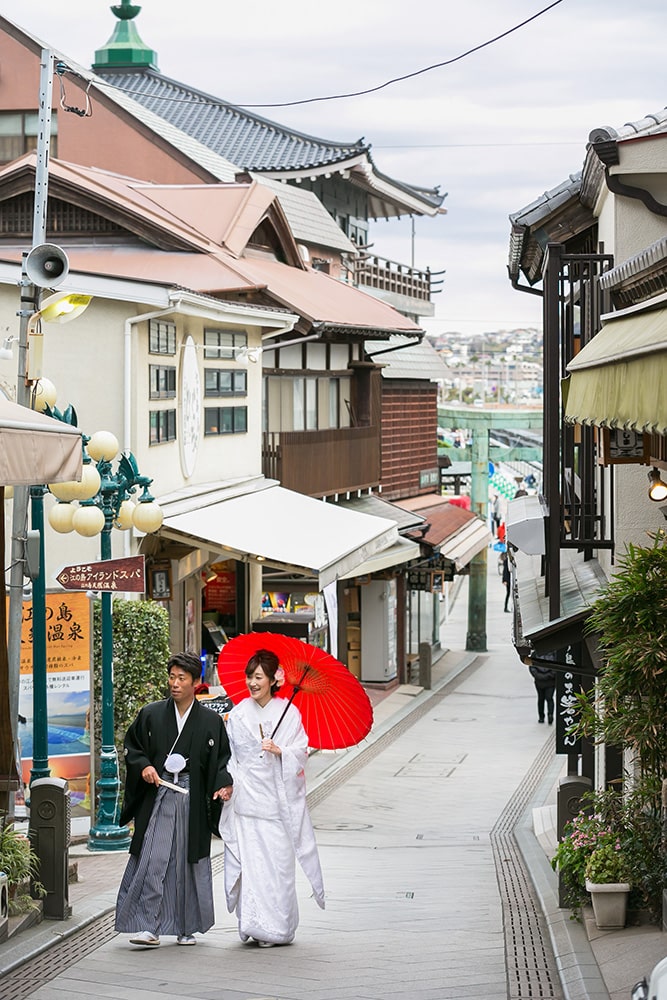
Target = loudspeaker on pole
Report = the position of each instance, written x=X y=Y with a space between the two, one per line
x=47 y=265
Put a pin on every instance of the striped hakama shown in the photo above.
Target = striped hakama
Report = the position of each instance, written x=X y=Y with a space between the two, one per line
x=160 y=891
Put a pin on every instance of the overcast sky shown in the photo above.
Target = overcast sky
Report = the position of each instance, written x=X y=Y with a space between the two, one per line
x=494 y=130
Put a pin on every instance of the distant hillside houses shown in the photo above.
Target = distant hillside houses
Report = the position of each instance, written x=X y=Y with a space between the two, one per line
x=503 y=366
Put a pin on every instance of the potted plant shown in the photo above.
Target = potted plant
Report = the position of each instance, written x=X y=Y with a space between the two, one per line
x=20 y=864
x=583 y=835
x=607 y=872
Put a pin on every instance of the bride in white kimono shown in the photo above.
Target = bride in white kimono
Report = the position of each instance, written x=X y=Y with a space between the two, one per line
x=268 y=826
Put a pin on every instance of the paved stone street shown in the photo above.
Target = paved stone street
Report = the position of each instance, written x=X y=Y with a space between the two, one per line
x=427 y=894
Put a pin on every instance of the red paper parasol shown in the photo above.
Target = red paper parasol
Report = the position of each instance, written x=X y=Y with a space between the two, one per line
x=335 y=709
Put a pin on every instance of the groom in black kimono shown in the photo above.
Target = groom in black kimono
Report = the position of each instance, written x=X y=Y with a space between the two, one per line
x=167 y=886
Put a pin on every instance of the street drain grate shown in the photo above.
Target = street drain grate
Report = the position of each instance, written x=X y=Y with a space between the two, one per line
x=43 y=968
x=531 y=967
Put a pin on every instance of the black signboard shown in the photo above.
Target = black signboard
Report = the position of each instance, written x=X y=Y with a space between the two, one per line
x=568 y=685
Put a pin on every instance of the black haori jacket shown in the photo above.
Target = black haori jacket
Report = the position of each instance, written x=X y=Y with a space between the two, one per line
x=203 y=741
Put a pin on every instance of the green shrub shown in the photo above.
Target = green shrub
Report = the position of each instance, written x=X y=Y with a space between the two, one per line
x=629 y=705
x=21 y=865
x=608 y=864
x=140 y=654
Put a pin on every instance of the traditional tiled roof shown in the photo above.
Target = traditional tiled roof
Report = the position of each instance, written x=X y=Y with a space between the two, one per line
x=254 y=143
x=604 y=138
x=556 y=215
x=308 y=218
x=567 y=209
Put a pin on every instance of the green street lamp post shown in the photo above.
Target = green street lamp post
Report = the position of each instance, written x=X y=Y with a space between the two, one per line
x=110 y=507
x=40 y=738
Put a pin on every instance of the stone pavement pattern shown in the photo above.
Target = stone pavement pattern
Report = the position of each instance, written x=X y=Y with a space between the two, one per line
x=413 y=904
x=412 y=900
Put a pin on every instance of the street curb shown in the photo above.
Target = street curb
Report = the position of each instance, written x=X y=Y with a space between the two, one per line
x=578 y=971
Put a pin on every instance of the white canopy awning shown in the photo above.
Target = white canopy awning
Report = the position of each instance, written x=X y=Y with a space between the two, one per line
x=284 y=529
x=400 y=552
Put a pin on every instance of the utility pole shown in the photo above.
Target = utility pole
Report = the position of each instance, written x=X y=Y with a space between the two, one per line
x=30 y=299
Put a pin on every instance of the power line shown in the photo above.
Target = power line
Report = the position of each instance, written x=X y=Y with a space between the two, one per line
x=355 y=93
x=418 y=72
x=475 y=145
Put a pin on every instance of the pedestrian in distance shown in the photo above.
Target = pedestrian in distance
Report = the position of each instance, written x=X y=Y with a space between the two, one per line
x=506 y=579
x=176 y=754
x=268 y=826
x=545 y=685
x=496 y=516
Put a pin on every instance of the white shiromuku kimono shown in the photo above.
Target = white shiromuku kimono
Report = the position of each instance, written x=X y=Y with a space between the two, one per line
x=267 y=825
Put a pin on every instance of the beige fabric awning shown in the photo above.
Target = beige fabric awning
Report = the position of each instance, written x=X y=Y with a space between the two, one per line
x=35 y=448
x=619 y=379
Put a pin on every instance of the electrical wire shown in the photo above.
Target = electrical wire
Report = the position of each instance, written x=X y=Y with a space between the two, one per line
x=418 y=72
x=354 y=93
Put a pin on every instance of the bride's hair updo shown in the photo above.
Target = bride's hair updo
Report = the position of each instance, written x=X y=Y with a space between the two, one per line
x=269 y=663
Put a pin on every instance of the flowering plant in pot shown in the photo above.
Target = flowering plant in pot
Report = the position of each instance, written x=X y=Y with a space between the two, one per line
x=582 y=836
x=607 y=874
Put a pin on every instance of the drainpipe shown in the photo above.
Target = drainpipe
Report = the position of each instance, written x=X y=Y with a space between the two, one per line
x=127 y=384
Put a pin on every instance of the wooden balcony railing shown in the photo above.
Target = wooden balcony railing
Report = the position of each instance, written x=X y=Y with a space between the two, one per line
x=389 y=276
x=322 y=463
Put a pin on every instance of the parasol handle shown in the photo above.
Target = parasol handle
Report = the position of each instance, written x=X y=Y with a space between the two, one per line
x=297 y=688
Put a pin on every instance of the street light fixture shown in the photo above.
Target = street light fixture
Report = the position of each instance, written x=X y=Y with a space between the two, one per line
x=109 y=506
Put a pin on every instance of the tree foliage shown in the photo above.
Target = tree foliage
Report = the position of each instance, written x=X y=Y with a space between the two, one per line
x=140 y=654
x=630 y=618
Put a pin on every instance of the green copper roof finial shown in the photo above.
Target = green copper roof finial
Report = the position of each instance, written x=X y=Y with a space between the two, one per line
x=125 y=49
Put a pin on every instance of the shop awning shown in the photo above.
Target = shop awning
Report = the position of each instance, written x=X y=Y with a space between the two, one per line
x=470 y=540
x=284 y=529
x=400 y=552
x=451 y=531
x=619 y=379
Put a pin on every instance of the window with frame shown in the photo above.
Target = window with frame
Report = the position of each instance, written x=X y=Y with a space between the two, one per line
x=161 y=337
x=305 y=404
x=223 y=344
x=225 y=420
x=18 y=134
x=162 y=381
x=162 y=426
x=225 y=382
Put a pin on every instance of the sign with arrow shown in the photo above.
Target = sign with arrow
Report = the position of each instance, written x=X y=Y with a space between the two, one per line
x=109 y=574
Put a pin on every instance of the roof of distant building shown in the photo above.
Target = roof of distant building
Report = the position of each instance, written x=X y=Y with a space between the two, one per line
x=402 y=358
